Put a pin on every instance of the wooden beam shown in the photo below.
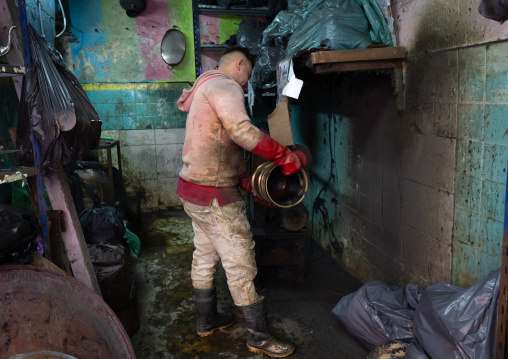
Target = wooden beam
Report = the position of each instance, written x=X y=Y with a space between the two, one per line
x=370 y=54
x=73 y=237
x=354 y=66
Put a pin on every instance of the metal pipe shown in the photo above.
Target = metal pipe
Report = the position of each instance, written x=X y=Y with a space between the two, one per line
x=5 y=49
x=65 y=20
x=40 y=18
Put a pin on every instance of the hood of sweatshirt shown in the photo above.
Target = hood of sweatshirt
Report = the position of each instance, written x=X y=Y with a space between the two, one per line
x=185 y=100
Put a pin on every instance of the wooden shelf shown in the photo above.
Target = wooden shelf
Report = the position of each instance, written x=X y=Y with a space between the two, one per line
x=213 y=47
x=219 y=10
x=375 y=58
x=9 y=70
x=6 y=152
x=16 y=173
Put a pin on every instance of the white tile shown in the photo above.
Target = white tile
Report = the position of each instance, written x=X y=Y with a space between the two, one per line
x=148 y=194
x=136 y=137
x=169 y=160
x=167 y=193
x=139 y=162
x=169 y=136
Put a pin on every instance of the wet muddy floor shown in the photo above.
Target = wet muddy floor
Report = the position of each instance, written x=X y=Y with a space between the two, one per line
x=299 y=311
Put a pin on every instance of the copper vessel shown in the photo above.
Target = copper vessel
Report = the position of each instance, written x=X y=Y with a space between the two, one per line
x=272 y=186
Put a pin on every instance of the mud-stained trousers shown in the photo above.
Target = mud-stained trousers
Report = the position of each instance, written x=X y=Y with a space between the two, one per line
x=223 y=233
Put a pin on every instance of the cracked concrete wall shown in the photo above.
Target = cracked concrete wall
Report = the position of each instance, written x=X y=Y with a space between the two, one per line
x=414 y=196
x=456 y=90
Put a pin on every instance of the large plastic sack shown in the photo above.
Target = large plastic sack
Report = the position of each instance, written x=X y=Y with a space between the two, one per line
x=20 y=235
x=102 y=224
x=333 y=24
x=336 y=25
x=377 y=314
x=133 y=243
x=496 y=10
x=379 y=31
x=111 y=265
x=249 y=35
x=55 y=109
x=286 y=22
x=453 y=322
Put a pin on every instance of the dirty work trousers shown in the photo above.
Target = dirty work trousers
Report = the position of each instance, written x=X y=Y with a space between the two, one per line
x=223 y=233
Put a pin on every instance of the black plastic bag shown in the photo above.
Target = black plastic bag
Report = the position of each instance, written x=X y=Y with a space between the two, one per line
x=111 y=265
x=377 y=314
x=121 y=197
x=55 y=107
x=249 y=35
x=496 y=10
x=20 y=232
x=455 y=322
x=102 y=224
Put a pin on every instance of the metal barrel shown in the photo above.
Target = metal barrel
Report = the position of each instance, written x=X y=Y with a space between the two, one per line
x=272 y=186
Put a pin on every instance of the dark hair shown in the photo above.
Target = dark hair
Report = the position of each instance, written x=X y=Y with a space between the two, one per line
x=243 y=50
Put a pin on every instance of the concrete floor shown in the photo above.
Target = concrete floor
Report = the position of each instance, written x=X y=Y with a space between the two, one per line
x=300 y=311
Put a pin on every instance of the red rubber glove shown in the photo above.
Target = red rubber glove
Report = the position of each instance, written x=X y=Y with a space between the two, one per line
x=246 y=184
x=280 y=155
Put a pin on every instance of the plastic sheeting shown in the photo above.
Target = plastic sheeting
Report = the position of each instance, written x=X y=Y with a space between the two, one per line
x=453 y=322
x=111 y=265
x=333 y=24
x=249 y=35
x=378 y=313
x=447 y=321
x=496 y=10
x=102 y=224
x=57 y=110
x=20 y=235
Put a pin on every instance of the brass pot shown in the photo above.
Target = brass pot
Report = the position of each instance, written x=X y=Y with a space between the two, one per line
x=272 y=186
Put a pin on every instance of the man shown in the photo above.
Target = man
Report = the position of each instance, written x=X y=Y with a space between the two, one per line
x=218 y=129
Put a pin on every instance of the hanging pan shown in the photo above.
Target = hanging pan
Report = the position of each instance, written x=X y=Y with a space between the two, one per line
x=173 y=47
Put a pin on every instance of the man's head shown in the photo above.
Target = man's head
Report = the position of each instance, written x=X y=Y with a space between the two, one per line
x=237 y=63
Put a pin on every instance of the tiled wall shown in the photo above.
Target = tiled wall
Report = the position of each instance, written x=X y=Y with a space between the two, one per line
x=151 y=160
x=151 y=130
x=459 y=98
x=137 y=106
x=415 y=196
x=482 y=155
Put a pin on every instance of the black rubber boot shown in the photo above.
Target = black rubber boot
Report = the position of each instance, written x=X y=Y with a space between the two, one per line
x=209 y=320
x=259 y=337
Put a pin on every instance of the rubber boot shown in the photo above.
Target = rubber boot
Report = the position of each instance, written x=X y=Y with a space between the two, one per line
x=209 y=320
x=259 y=337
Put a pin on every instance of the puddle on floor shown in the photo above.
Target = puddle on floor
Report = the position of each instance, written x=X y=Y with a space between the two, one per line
x=165 y=296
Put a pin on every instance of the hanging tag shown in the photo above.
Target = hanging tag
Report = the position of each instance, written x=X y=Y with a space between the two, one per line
x=250 y=97
x=294 y=85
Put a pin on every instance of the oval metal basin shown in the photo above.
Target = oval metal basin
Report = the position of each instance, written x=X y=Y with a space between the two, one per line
x=46 y=310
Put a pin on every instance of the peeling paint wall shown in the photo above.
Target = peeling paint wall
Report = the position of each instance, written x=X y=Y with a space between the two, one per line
x=108 y=46
x=118 y=61
x=415 y=196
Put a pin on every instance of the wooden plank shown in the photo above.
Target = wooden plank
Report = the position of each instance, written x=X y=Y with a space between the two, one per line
x=502 y=309
x=16 y=173
x=74 y=239
x=9 y=70
x=370 y=54
x=58 y=256
x=354 y=66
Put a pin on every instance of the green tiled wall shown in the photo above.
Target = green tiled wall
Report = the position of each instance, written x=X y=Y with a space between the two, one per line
x=138 y=109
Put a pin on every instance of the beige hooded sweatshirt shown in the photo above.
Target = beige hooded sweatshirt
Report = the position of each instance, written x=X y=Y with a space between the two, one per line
x=217 y=130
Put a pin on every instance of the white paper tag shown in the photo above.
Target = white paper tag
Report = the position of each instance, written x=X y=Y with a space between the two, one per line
x=293 y=87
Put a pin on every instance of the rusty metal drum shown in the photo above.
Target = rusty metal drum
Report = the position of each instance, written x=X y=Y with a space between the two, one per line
x=46 y=310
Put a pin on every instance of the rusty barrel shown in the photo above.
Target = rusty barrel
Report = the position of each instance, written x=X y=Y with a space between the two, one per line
x=272 y=186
